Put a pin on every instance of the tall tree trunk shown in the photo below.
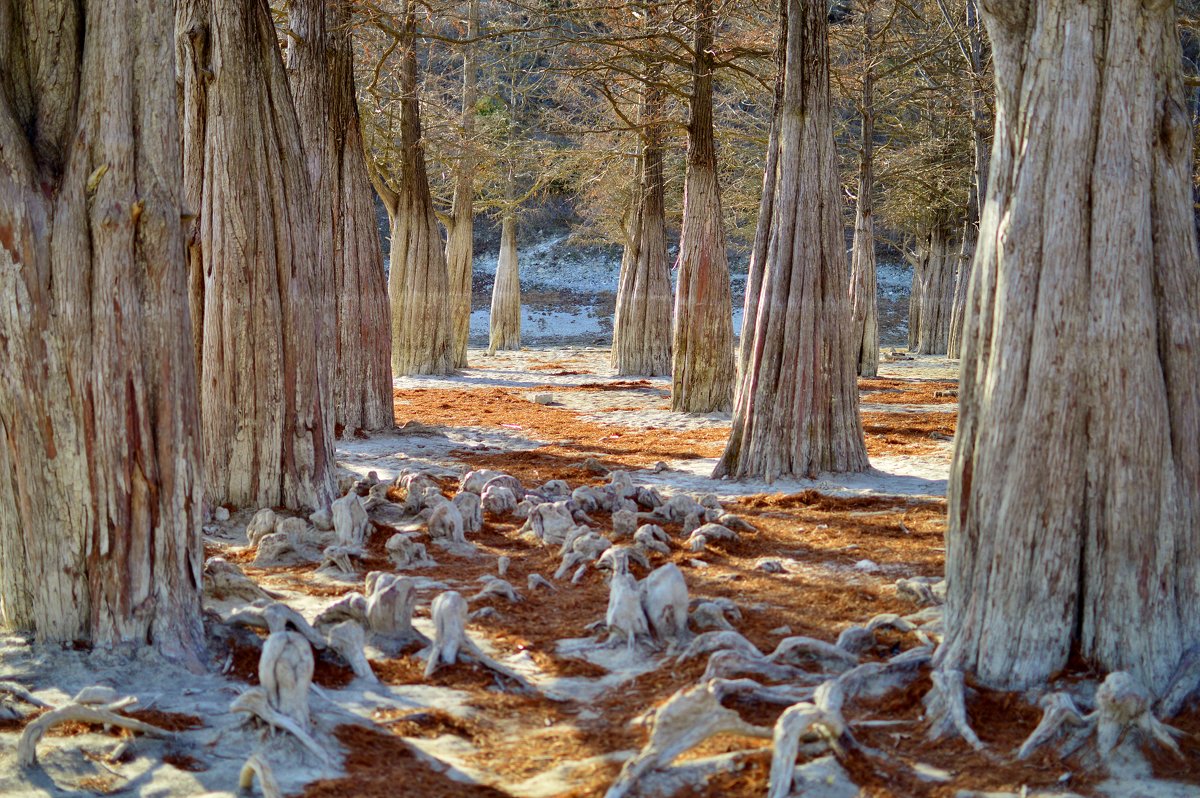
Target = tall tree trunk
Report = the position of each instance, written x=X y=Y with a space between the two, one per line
x=980 y=127
x=702 y=357
x=863 y=295
x=418 y=281
x=933 y=293
x=308 y=75
x=100 y=477
x=354 y=345
x=642 y=323
x=766 y=209
x=256 y=249
x=460 y=239
x=362 y=388
x=797 y=405
x=1074 y=494
x=505 y=321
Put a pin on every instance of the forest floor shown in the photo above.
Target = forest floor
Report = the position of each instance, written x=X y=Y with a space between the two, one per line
x=825 y=555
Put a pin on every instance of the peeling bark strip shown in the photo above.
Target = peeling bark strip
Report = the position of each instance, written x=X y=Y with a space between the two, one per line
x=702 y=357
x=1075 y=488
x=642 y=323
x=460 y=235
x=100 y=483
x=266 y=413
x=418 y=282
x=797 y=405
x=356 y=328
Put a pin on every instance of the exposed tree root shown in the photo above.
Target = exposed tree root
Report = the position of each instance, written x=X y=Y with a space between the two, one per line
x=450 y=639
x=267 y=785
x=946 y=708
x=1123 y=706
x=687 y=719
x=80 y=712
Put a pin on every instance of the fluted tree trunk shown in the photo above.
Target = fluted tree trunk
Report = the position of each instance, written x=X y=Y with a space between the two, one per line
x=863 y=296
x=702 y=354
x=100 y=473
x=418 y=280
x=355 y=330
x=642 y=322
x=505 y=319
x=460 y=239
x=980 y=124
x=255 y=245
x=932 y=298
x=797 y=404
x=1074 y=494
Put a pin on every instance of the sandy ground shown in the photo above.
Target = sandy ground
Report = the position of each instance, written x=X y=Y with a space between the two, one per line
x=825 y=554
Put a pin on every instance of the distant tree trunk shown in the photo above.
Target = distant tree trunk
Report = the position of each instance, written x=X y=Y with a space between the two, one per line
x=863 y=298
x=100 y=476
x=932 y=296
x=797 y=405
x=505 y=324
x=256 y=249
x=1074 y=494
x=642 y=323
x=362 y=388
x=702 y=357
x=418 y=282
x=460 y=239
x=980 y=125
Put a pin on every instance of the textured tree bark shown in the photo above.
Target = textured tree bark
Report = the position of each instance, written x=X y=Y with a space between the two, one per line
x=1074 y=495
x=100 y=476
x=355 y=336
x=797 y=405
x=505 y=320
x=932 y=296
x=980 y=129
x=460 y=239
x=418 y=280
x=702 y=356
x=642 y=323
x=307 y=63
x=256 y=249
x=766 y=209
x=362 y=387
x=863 y=298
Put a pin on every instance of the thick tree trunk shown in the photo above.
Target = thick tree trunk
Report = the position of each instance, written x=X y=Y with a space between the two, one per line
x=418 y=281
x=863 y=295
x=1075 y=488
x=256 y=248
x=505 y=323
x=797 y=405
x=980 y=129
x=362 y=388
x=642 y=324
x=460 y=239
x=100 y=479
x=702 y=356
x=308 y=75
x=932 y=296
